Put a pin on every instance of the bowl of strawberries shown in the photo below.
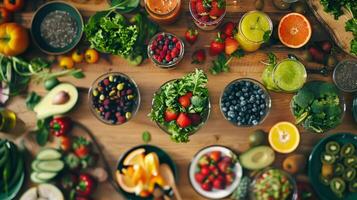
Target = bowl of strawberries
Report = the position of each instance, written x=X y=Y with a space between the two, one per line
x=207 y=14
x=215 y=172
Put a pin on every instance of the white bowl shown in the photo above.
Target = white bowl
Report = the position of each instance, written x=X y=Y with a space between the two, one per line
x=215 y=193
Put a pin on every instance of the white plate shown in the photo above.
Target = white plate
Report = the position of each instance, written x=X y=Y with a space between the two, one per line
x=214 y=194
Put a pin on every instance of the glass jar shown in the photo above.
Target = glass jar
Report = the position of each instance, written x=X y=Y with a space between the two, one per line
x=252 y=28
x=163 y=11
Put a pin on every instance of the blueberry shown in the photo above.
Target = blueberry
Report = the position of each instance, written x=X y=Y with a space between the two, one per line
x=241 y=98
x=238 y=94
x=229 y=119
x=247 y=83
x=170 y=37
x=171 y=46
x=240 y=114
x=161 y=42
x=255 y=86
x=263 y=96
x=231 y=113
x=227 y=104
x=239 y=123
x=231 y=97
x=262 y=106
x=260 y=91
x=249 y=106
x=244 y=89
x=242 y=103
x=261 y=113
x=236 y=107
x=246 y=94
x=255 y=122
x=254 y=110
x=234 y=102
x=257 y=96
x=243 y=109
x=224 y=109
x=231 y=107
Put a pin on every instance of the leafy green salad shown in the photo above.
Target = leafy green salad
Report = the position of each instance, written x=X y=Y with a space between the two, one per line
x=181 y=106
x=110 y=32
x=317 y=106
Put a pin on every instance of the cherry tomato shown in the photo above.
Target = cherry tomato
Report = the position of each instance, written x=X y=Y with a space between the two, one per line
x=91 y=56
x=5 y=15
x=14 y=5
x=77 y=56
x=66 y=62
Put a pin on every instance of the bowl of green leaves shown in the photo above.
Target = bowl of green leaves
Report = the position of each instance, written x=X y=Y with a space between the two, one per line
x=318 y=106
x=180 y=107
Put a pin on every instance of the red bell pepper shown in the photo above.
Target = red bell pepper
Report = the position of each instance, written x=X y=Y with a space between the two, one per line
x=81 y=147
x=60 y=126
x=85 y=185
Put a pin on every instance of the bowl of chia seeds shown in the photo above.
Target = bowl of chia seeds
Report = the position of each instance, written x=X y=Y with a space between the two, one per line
x=114 y=98
x=56 y=27
x=245 y=102
x=345 y=75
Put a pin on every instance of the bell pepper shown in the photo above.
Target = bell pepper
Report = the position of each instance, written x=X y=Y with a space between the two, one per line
x=60 y=126
x=14 y=39
x=85 y=185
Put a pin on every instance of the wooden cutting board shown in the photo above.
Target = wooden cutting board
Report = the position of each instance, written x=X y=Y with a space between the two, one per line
x=336 y=28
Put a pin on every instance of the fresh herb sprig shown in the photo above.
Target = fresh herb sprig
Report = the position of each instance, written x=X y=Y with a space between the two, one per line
x=17 y=73
x=221 y=63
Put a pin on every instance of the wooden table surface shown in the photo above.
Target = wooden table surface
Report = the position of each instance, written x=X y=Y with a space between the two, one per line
x=117 y=139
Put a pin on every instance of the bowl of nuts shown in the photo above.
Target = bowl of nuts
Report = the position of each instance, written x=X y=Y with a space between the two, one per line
x=114 y=98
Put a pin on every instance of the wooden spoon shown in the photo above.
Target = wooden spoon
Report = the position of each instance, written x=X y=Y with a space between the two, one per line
x=168 y=176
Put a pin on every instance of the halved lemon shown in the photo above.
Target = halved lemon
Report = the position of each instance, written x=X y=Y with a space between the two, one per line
x=152 y=164
x=294 y=30
x=284 y=137
x=135 y=157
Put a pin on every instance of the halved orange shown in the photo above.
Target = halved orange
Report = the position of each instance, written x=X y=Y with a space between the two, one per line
x=294 y=30
x=135 y=157
x=284 y=137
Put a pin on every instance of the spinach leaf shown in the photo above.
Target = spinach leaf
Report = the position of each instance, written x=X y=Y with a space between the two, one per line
x=32 y=100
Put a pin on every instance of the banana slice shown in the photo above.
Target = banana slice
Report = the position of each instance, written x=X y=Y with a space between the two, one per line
x=43 y=192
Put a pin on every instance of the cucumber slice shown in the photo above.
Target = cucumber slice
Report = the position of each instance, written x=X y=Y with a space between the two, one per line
x=50 y=166
x=46 y=176
x=49 y=154
x=35 y=179
x=34 y=165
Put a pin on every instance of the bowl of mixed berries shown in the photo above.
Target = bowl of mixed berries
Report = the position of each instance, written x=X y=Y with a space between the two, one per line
x=166 y=50
x=215 y=172
x=207 y=14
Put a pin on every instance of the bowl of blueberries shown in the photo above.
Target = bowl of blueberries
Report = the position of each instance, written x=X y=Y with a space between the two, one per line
x=245 y=102
x=114 y=98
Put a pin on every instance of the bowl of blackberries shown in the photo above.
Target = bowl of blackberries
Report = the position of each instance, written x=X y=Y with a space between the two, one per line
x=245 y=102
x=114 y=98
x=166 y=50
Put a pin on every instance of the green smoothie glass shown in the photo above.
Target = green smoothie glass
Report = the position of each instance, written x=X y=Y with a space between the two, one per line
x=289 y=75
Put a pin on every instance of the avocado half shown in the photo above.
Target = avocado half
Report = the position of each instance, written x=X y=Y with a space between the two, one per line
x=47 y=108
x=257 y=158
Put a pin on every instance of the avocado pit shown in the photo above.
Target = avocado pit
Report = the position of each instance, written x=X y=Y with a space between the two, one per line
x=60 y=98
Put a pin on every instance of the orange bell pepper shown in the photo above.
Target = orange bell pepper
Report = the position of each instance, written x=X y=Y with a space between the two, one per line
x=14 y=39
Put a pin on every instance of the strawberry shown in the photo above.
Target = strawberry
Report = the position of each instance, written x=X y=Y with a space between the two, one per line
x=229 y=178
x=199 y=177
x=231 y=45
x=218 y=183
x=228 y=29
x=189 y=94
x=227 y=159
x=195 y=118
x=217 y=46
x=218 y=8
x=215 y=156
x=200 y=8
x=205 y=171
x=191 y=36
x=207 y=186
x=81 y=147
x=211 y=178
x=224 y=167
x=170 y=115
x=198 y=57
x=214 y=170
x=183 y=120
x=185 y=101
x=203 y=161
